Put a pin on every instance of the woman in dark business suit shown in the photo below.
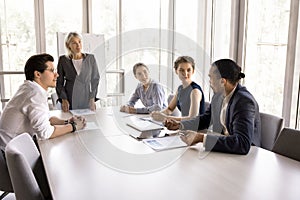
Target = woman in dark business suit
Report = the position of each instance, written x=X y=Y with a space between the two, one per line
x=78 y=79
x=233 y=113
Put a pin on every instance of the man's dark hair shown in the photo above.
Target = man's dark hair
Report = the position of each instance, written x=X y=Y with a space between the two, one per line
x=36 y=63
x=229 y=70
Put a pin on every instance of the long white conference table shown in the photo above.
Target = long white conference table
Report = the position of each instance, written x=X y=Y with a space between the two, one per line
x=106 y=163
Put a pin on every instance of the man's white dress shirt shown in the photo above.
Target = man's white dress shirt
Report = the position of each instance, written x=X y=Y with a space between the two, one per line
x=27 y=111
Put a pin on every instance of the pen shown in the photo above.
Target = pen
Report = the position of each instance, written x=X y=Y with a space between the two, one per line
x=127 y=116
x=154 y=122
x=183 y=133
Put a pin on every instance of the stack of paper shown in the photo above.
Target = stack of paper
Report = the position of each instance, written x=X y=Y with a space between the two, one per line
x=143 y=128
x=164 y=143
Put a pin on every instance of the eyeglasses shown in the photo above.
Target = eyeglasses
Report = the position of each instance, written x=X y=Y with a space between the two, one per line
x=53 y=70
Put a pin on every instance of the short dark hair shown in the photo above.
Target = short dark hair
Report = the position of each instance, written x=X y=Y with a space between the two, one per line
x=139 y=65
x=36 y=63
x=229 y=70
x=184 y=59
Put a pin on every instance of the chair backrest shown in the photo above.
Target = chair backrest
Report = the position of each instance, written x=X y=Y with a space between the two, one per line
x=176 y=111
x=206 y=105
x=54 y=98
x=56 y=105
x=26 y=169
x=271 y=126
x=5 y=183
x=288 y=143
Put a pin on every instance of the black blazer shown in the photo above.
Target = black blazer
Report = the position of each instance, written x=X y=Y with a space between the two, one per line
x=242 y=123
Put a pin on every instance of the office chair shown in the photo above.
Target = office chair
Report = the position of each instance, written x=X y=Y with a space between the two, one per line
x=271 y=126
x=176 y=111
x=287 y=143
x=5 y=183
x=207 y=104
x=25 y=168
x=55 y=104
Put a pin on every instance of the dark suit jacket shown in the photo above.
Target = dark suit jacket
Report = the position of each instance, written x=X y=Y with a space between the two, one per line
x=77 y=89
x=242 y=122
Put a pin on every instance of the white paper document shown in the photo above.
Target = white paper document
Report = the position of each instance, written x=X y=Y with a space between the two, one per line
x=90 y=126
x=82 y=112
x=164 y=143
x=143 y=125
x=149 y=119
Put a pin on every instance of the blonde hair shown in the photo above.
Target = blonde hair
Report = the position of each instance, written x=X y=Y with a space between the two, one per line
x=68 y=39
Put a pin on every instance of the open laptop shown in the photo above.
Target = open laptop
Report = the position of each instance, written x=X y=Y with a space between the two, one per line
x=143 y=128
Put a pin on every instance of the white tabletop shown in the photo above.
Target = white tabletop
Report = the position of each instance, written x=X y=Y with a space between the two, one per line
x=106 y=163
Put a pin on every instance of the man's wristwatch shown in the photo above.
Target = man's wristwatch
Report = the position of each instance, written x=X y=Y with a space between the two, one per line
x=73 y=126
x=181 y=126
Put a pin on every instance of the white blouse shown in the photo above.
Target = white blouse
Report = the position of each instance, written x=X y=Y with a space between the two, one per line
x=78 y=65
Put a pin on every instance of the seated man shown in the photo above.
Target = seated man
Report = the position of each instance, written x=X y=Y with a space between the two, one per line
x=233 y=113
x=28 y=110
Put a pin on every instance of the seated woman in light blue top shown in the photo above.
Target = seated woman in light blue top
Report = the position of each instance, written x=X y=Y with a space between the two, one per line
x=189 y=97
x=151 y=93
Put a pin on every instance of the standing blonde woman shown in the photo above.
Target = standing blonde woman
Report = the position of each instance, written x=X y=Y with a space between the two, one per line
x=78 y=79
